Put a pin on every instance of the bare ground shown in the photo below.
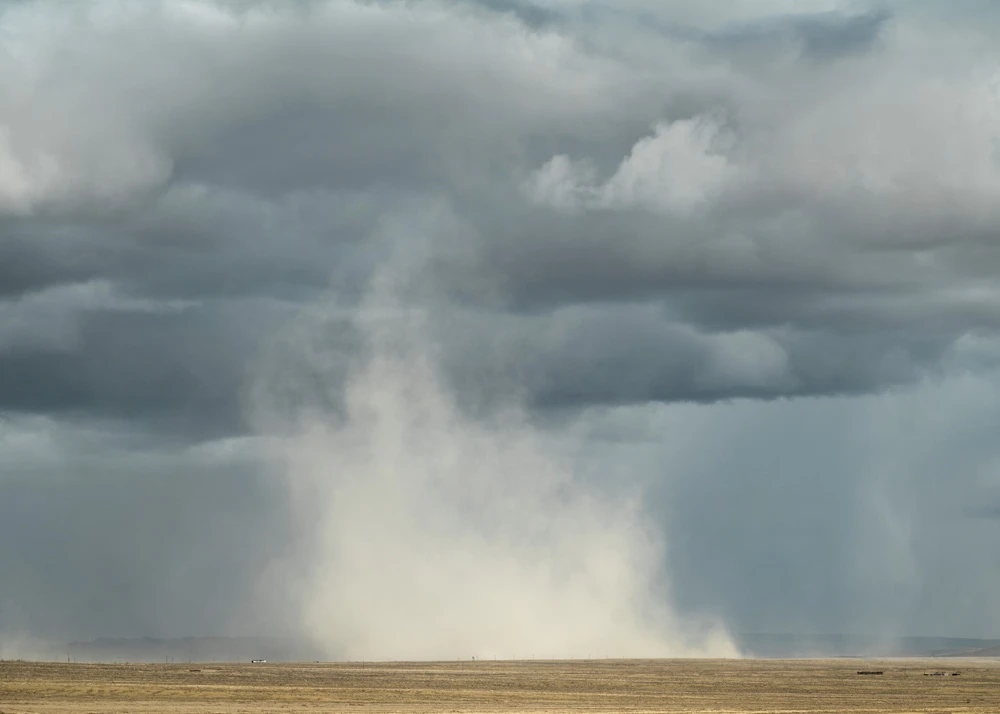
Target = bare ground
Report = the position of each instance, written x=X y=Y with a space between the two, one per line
x=791 y=686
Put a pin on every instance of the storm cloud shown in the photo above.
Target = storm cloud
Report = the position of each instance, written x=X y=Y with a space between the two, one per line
x=739 y=260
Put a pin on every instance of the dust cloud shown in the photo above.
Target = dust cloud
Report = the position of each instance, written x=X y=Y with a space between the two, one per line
x=430 y=533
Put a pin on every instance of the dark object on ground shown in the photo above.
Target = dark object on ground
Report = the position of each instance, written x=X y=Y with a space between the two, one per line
x=870 y=671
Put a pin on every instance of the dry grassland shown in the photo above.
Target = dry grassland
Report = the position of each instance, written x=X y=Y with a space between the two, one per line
x=578 y=686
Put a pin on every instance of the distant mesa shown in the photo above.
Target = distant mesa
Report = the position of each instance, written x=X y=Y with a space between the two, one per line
x=265 y=649
x=784 y=646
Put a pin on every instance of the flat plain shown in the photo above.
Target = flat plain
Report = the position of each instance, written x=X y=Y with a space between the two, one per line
x=786 y=686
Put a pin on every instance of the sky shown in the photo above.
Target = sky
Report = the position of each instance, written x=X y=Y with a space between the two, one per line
x=482 y=326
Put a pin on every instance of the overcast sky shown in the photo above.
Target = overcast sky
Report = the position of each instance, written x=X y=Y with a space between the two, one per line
x=738 y=257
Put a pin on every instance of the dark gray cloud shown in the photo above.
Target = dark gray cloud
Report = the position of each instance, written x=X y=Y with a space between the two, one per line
x=816 y=36
x=777 y=226
x=179 y=368
x=532 y=15
x=987 y=512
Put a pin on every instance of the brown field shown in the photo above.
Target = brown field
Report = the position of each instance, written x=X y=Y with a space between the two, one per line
x=535 y=686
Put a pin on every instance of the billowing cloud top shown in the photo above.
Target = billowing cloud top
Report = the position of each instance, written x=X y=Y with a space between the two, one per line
x=745 y=254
